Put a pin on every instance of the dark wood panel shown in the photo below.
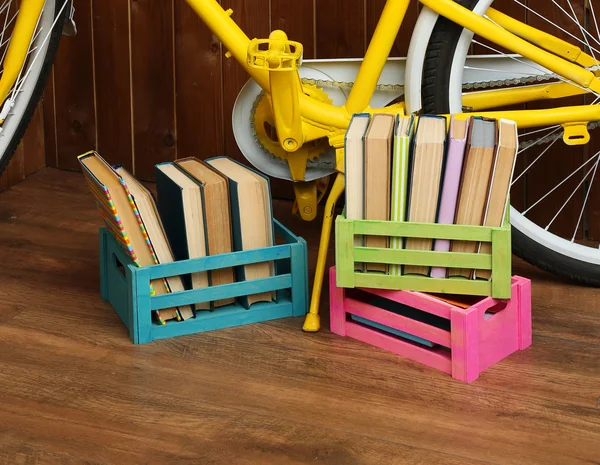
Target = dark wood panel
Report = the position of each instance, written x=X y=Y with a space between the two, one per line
x=34 y=144
x=199 y=90
x=113 y=89
x=74 y=91
x=297 y=20
x=152 y=84
x=400 y=48
x=253 y=18
x=561 y=160
x=340 y=29
x=593 y=149
x=15 y=171
x=265 y=393
x=50 y=122
x=593 y=206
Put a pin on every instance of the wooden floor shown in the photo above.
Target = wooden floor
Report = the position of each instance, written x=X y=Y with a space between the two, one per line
x=74 y=389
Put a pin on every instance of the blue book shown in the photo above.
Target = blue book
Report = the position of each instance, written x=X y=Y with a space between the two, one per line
x=390 y=330
x=251 y=220
x=181 y=209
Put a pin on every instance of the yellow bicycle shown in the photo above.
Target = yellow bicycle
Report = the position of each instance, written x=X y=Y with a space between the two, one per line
x=465 y=56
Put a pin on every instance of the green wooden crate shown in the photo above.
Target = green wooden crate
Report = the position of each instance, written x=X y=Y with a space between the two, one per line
x=499 y=261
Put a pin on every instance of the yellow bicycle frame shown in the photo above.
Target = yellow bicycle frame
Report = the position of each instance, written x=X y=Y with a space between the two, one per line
x=553 y=54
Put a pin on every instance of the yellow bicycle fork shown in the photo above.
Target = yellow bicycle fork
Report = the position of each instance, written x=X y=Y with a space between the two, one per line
x=23 y=31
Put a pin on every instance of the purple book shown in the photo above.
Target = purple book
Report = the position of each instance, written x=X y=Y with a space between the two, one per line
x=450 y=185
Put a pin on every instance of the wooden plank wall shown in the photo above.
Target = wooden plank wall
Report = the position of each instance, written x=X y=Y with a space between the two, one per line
x=145 y=81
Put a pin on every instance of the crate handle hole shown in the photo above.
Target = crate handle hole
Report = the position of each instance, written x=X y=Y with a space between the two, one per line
x=495 y=309
x=119 y=265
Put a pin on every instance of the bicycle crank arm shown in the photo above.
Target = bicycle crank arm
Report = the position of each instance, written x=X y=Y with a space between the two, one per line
x=306 y=200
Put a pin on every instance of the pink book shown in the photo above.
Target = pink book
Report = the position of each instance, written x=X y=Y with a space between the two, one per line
x=451 y=183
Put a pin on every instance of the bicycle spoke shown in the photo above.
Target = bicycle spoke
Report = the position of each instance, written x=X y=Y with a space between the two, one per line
x=574 y=19
x=570 y=197
x=587 y=195
x=15 y=88
x=583 y=31
x=43 y=42
x=6 y=25
x=553 y=24
x=591 y=4
x=539 y=130
x=560 y=184
x=537 y=158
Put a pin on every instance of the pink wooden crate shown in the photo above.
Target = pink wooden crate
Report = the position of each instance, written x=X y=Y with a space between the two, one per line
x=475 y=341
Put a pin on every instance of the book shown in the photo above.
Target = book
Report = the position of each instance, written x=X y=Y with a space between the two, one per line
x=395 y=332
x=354 y=146
x=151 y=222
x=457 y=140
x=403 y=132
x=501 y=178
x=217 y=216
x=181 y=209
x=251 y=220
x=377 y=179
x=425 y=181
x=122 y=219
x=462 y=300
x=473 y=191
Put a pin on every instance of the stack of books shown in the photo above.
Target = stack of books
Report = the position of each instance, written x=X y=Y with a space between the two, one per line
x=400 y=168
x=202 y=208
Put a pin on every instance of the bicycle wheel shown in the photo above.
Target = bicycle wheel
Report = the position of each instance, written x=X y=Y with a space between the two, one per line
x=555 y=196
x=29 y=86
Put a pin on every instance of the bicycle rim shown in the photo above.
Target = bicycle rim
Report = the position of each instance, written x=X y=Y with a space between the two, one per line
x=28 y=88
x=541 y=234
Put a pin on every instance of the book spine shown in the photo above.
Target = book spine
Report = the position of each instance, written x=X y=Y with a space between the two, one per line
x=449 y=197
x=399 y=191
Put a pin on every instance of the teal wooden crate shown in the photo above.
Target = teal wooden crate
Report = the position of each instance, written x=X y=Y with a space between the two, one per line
x=127 y=288
x=499 y=261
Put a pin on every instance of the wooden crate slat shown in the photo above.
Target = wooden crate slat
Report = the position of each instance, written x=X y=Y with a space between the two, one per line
x=423 y=257
x=433 y=231
x=224 y=291
x=423 y=283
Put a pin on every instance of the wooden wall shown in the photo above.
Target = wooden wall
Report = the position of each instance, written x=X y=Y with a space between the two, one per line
x=30 y=154
x=145 y=81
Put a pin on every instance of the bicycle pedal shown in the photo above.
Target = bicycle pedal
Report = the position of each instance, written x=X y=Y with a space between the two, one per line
x=274 y=54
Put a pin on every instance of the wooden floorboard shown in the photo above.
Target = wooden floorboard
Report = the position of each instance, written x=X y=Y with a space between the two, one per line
x=74 y=389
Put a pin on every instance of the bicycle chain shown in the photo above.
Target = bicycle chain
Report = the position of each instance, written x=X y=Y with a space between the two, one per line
x=479 y=85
